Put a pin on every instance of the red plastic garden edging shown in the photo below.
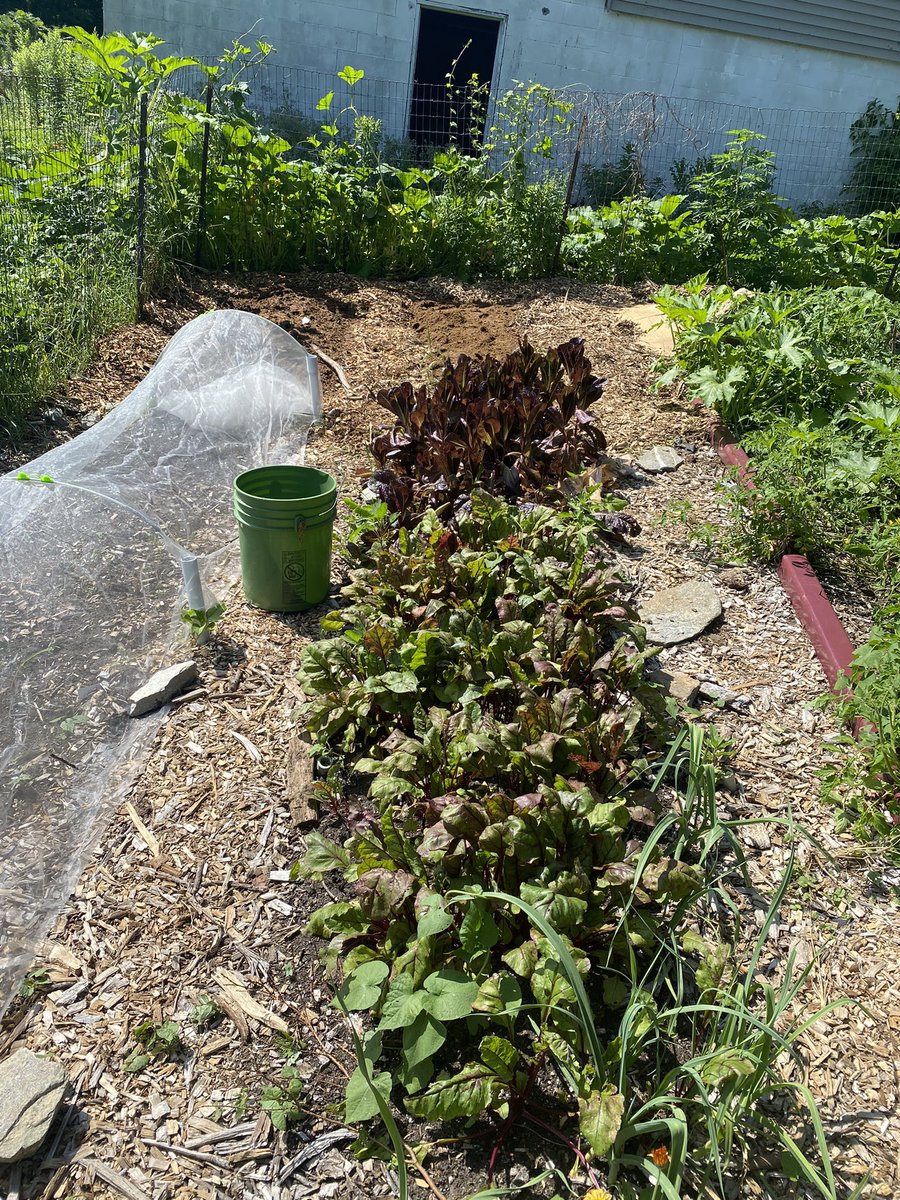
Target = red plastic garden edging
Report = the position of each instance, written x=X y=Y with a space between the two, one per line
x=814 y=610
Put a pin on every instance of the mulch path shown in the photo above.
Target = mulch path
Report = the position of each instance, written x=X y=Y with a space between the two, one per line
x=188 y=893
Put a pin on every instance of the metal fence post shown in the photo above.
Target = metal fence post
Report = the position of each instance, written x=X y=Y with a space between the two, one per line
x=204 y=169
x=570 y=188
x=141 y=204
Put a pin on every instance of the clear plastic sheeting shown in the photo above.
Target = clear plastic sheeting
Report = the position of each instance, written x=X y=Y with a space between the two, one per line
x=93 y=575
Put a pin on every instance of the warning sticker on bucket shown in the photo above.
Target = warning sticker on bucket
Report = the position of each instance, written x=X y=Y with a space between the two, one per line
x=293 y=568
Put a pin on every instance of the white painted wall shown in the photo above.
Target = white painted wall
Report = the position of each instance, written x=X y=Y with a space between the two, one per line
x=574 y=43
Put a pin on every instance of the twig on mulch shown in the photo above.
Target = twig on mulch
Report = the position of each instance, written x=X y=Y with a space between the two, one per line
x=336 y=367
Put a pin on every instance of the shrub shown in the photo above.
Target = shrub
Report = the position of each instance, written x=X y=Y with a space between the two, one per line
x=55 y=80
x=17 y=30
x=615 y=180
x=629 y=241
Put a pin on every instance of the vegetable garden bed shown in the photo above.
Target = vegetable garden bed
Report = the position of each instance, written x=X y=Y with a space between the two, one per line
x=203 y=906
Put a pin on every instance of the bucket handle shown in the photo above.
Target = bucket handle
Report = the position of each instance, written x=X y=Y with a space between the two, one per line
x=302 y=524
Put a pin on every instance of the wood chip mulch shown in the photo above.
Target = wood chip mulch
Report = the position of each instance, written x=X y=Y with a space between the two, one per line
x=188 y=894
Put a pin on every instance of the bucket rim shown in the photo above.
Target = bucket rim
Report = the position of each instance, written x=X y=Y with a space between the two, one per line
x=328 y=484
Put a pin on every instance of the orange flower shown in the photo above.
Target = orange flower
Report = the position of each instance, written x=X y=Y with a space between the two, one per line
x=660 y=1156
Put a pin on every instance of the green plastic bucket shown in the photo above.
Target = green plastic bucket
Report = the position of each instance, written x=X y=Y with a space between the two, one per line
x=285 y=519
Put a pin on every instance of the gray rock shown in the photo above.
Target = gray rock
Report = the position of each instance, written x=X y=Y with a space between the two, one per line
x=680 y=613
x=31 y=1090
x=725 y=697
x=161 y=687
x=660 y=458
x=678 y=684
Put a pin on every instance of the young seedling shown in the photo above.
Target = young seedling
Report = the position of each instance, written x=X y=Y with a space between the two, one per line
x=281 y=1103
x=154 y=1041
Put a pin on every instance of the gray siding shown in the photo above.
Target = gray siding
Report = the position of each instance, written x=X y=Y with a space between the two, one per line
x=870 y=28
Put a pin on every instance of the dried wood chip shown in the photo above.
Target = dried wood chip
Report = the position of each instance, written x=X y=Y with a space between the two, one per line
x=252 y=750
x=299 y=790
x=235 y=992
x=115 y=1180
x=148 y=837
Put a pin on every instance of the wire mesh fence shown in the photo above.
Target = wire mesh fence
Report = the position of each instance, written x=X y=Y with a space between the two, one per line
x=68 y=182
x=640 y=138
x=72 y=226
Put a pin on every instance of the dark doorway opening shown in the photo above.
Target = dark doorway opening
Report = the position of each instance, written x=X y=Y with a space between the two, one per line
x=452 y=47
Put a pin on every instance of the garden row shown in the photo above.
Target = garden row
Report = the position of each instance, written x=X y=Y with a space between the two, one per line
x=809 y=382
x=810 y=371
x=536 y=915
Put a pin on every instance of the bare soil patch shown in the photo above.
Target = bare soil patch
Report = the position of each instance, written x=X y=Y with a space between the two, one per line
x=205 y=906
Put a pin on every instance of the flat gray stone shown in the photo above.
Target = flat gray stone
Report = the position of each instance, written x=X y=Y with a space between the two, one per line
x=725 y=696
x=31 y=1090
x=660 y=458
x=680 y=613
x=161 y=687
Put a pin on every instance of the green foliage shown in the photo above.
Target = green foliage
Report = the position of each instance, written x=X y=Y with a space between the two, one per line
x=202 y=621
x=809 y=380
x=512 y=427
x=736 y=208
x=613 y=181
x=154 y=1041
x=52 y=78
x=725 y=220
x=18 y=29
x=806 y=379
x=34 y=984
x=465 y=616
x=204 y=1013
x=875 y=152
x=629 y=240
x=333 y=201
x=513 y=858
x=866 y=782
x=282 y=1101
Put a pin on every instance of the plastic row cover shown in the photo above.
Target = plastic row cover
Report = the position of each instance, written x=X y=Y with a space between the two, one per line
x=92 y=571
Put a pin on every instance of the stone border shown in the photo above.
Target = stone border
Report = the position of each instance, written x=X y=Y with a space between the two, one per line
x=814 y=610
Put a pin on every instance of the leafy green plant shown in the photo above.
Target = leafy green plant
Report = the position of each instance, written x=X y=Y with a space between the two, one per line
x=735 y=204
x=282 y=1101
x=866 y=782
x=809 y=381
x=18 y=29
x=632 y=239
x=204 y=1013
x=154 y=1041
x=34 y=984
x=875 y=153
x=511 y=856
x=202 y=621
x=614 y=180
x=511 y=600
x=509 y=427
x=678 y=1120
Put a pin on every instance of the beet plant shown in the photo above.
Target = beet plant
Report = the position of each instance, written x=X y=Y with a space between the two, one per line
x=524 y=916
